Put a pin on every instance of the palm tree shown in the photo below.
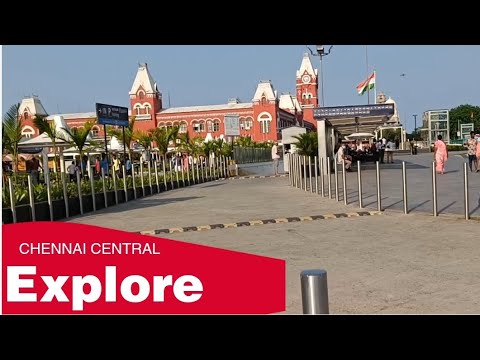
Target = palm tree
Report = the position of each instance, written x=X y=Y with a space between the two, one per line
x=78 y=137
x=143 y=138
x=50 y=129
x=162 y=137
x=307 y=143
x=129 y=134
x=12 y=133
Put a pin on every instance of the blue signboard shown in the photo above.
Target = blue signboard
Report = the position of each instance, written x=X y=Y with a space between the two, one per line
x=111 y=115
x=354 y=111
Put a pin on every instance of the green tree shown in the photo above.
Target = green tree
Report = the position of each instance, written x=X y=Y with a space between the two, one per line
x=129 y=134
x=307 y=143
x=463 y=114
x=162 y=138
x=12 y=134
x=143 y=138
x=49 y=128
x=78 y=137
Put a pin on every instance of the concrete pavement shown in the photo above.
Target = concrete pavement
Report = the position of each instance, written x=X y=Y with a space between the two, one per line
x=392 y=263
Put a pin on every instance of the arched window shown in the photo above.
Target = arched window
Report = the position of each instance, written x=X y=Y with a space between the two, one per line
x=242 y=123
x=265 y=120
x=147 y=109
x=216 y=125
x=25 y=115
x=141 y=94
x=209 y=125
x=169 y=125
x=95 y=131
x=248 y=123
x=264 y=100
x=183 y=127
x=161 y=125
x=28 y=132
x=138 y=108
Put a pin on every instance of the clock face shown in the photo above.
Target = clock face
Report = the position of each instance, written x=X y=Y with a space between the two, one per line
x=306 y=79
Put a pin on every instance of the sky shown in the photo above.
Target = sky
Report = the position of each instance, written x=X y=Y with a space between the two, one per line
x=71 y=78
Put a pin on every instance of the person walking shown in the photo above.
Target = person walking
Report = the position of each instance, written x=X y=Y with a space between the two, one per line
x=441 y=155
x=275 y=158
x=471 y=145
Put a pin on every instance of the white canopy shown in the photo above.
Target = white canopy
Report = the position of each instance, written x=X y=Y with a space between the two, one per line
x=355 y=136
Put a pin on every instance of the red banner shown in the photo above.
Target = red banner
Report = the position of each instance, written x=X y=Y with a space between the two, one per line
x=67 y=268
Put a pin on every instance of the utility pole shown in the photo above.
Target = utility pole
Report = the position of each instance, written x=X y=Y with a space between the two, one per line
x=415 y=125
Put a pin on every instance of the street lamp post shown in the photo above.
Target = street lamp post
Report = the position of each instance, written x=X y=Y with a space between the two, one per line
x=415 y=125
x=321 y=53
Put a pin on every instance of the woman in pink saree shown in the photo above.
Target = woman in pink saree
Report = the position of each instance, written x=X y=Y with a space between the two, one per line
x=441 y=155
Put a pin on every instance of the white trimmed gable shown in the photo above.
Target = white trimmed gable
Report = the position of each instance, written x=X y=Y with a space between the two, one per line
x=265 y=88
x=33 y=106
x=307 y=67
x=145 y=80
x=289 y=102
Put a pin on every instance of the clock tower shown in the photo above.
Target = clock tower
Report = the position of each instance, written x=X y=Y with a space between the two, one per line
x=307 y=88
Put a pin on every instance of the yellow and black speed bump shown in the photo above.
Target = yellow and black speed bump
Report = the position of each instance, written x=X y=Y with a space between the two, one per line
x=256 y=177
x=259 y=222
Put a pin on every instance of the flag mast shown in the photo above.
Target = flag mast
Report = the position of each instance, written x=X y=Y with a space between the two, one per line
x=366 y=61
x=375 y=86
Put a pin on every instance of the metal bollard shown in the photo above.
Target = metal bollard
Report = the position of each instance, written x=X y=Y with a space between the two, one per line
x=310 y=174
x=305 y=173
x=295 y=170
x=12 y=199
x=405 y=195
x=322 y=180
x=31 y=194
x=359 y=180
x=335 y=168
x=125 y=184
x=49 y=194
x=104 y=188
x=314 y=292
x=198 y=172
x=65 y=194
x=201 y=170
x=379 y=192
x=142 y=180
x=316 y=176
x=171 y=176
x=434 y=190
x=134 y=183
x=164 y=176
x=155 y=168
x=188 y=173
x=289 y=172
x=114 y=177
x=92 y=188
x=79 y=189
x=465 y=184
x=344 y=180
x=149 y=170
x=329 y=176
x=183 y=176
x=177 y=176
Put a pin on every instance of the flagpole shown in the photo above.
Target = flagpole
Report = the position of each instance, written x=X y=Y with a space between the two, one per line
x=366 y=60
x=375 y=86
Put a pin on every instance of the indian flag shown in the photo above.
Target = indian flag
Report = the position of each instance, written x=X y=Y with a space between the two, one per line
x=366 y=85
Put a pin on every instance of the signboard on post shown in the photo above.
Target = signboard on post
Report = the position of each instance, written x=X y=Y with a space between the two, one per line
x=112 y=115
x=465 y=130
x=354 y=111
x=232 y=125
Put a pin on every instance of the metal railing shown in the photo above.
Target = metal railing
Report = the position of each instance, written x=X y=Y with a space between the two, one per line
x=302 y=177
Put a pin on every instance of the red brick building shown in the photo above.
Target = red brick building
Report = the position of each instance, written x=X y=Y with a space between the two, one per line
x=262 y=118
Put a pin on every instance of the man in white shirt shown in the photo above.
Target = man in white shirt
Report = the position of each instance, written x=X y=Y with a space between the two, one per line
x=275 y=158
x=341 y=156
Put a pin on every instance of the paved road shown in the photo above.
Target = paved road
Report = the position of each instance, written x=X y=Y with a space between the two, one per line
x=390 y=263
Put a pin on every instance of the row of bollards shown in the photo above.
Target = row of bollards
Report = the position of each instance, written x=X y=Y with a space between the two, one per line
x=300 y=174
x=214 y=170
